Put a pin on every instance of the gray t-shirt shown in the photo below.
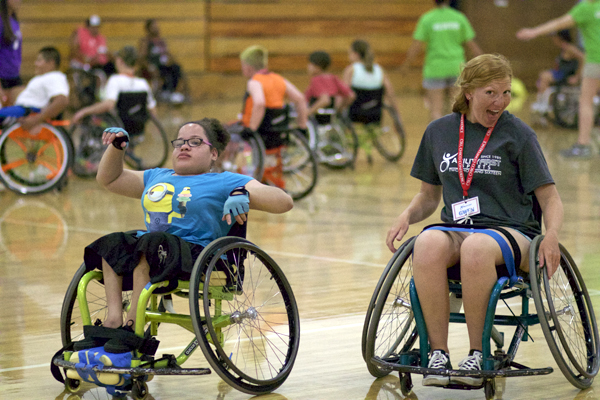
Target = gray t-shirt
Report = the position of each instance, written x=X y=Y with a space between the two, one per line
x=510 y=168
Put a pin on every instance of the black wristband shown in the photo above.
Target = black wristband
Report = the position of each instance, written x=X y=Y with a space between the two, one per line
x=119 y=140
x=239 y=191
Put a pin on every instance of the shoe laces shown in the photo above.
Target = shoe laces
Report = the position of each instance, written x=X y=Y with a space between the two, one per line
x=471 y=362
x=438 y=360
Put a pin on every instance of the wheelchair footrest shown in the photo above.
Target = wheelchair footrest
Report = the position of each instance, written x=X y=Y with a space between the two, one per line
x=455 y=372
x=136 y=371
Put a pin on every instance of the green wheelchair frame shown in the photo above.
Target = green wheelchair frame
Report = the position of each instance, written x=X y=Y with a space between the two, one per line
x=230 y=303
x=395 y=334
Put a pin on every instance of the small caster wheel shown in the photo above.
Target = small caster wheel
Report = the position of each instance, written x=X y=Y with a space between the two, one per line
x=139 y=391
x=490 y=389
x=72 y=385
x=405 y=384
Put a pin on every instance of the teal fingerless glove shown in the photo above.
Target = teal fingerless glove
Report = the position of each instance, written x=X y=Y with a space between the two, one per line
x=237 y=203
x=119 y=139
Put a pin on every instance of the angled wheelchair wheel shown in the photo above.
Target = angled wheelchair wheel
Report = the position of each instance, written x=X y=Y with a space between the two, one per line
x=565 y=106
x=299 y=165
x=87 y=142
x=149 y=149
x=83 y=87
x=392 y=328
x=246 y=319
x=335 y=144
x=389 y=137
x=243 y=155
x=34 y=163
x=72 y=317
x=375 y=296
x=566 y=317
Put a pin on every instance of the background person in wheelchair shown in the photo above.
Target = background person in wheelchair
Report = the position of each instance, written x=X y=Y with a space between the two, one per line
x=124 y=81
x=185 y=208
x=325 y=90
x=266 y=95
x=45 y=96
x=505 y=167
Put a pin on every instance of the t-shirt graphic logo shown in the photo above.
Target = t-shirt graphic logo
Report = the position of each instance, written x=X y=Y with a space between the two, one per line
x=158 y=206
x=487 y=164
x=447 y=160
x=162 y=255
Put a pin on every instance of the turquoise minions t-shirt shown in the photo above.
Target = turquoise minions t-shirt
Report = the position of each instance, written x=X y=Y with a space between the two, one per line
x=190 y=207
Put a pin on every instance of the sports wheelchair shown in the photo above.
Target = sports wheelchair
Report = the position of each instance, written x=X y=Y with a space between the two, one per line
x=332 y=138
x=377 y=123
x=395 y=336
x=277 y=154
x=148 y=144
x=85 y=83
x=242 y=314
x=563 y=106
x=35 y=162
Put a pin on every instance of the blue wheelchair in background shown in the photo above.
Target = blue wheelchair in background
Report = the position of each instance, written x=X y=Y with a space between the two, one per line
x=395 y=335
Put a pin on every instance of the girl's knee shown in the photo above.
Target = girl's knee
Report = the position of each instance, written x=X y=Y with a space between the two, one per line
x=434 y=247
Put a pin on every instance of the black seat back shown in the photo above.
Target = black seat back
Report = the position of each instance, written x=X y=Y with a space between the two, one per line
x=366 y=109
x=275 y=122
x=133 y=111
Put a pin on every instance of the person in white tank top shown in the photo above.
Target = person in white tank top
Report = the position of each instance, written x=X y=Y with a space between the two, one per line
x=124 y=81
x=363 y=79
x=363 y=73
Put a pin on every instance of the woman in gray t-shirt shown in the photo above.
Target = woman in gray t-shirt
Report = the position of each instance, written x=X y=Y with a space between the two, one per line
x=486 y=164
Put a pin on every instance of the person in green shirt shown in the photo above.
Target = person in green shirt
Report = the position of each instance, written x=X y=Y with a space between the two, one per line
x=445 y=32
x=586 y=16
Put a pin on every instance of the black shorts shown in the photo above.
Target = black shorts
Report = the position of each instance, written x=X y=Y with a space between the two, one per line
x=9 y=83
x=168 y=256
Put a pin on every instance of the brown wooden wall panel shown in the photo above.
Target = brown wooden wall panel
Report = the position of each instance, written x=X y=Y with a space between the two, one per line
x=133 y=10
x=496 y=28
x=112 y=29
x=284 y=63
x=206 y=37
x=182 y=24
x=317 y=10
x=327 y=27
x=303 y=45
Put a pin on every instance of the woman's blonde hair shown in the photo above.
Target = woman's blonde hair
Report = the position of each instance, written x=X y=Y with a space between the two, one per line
x=479 y=72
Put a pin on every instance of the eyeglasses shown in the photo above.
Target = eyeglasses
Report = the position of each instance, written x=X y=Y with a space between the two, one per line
x=193 y=142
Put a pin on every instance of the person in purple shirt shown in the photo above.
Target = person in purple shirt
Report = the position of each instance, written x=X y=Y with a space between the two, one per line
x=11 y=43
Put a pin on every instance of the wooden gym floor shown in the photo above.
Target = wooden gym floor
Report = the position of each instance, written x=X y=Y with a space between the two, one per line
x=330 y=246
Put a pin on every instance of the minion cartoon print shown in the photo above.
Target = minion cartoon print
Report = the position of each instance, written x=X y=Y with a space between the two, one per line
x=158 y=206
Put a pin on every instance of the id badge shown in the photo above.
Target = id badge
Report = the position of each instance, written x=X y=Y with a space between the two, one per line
x=464 y=209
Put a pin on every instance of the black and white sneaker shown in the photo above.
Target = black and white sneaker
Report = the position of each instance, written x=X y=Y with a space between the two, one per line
x=439 y=360
x=471 y=363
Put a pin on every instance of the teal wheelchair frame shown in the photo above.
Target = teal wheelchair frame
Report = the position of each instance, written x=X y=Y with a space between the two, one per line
x=395 y=335
x=245 y=320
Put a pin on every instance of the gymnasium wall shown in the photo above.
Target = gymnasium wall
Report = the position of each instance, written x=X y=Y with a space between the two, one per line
x=496 y=28
x=206 y=36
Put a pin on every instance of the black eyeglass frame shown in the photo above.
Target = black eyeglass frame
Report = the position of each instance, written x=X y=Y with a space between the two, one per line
x=188 y=141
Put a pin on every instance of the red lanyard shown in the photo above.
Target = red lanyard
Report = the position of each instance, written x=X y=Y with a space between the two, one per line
x=466 y=184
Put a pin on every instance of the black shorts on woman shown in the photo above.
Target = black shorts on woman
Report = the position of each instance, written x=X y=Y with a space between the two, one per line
x=168 y=256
